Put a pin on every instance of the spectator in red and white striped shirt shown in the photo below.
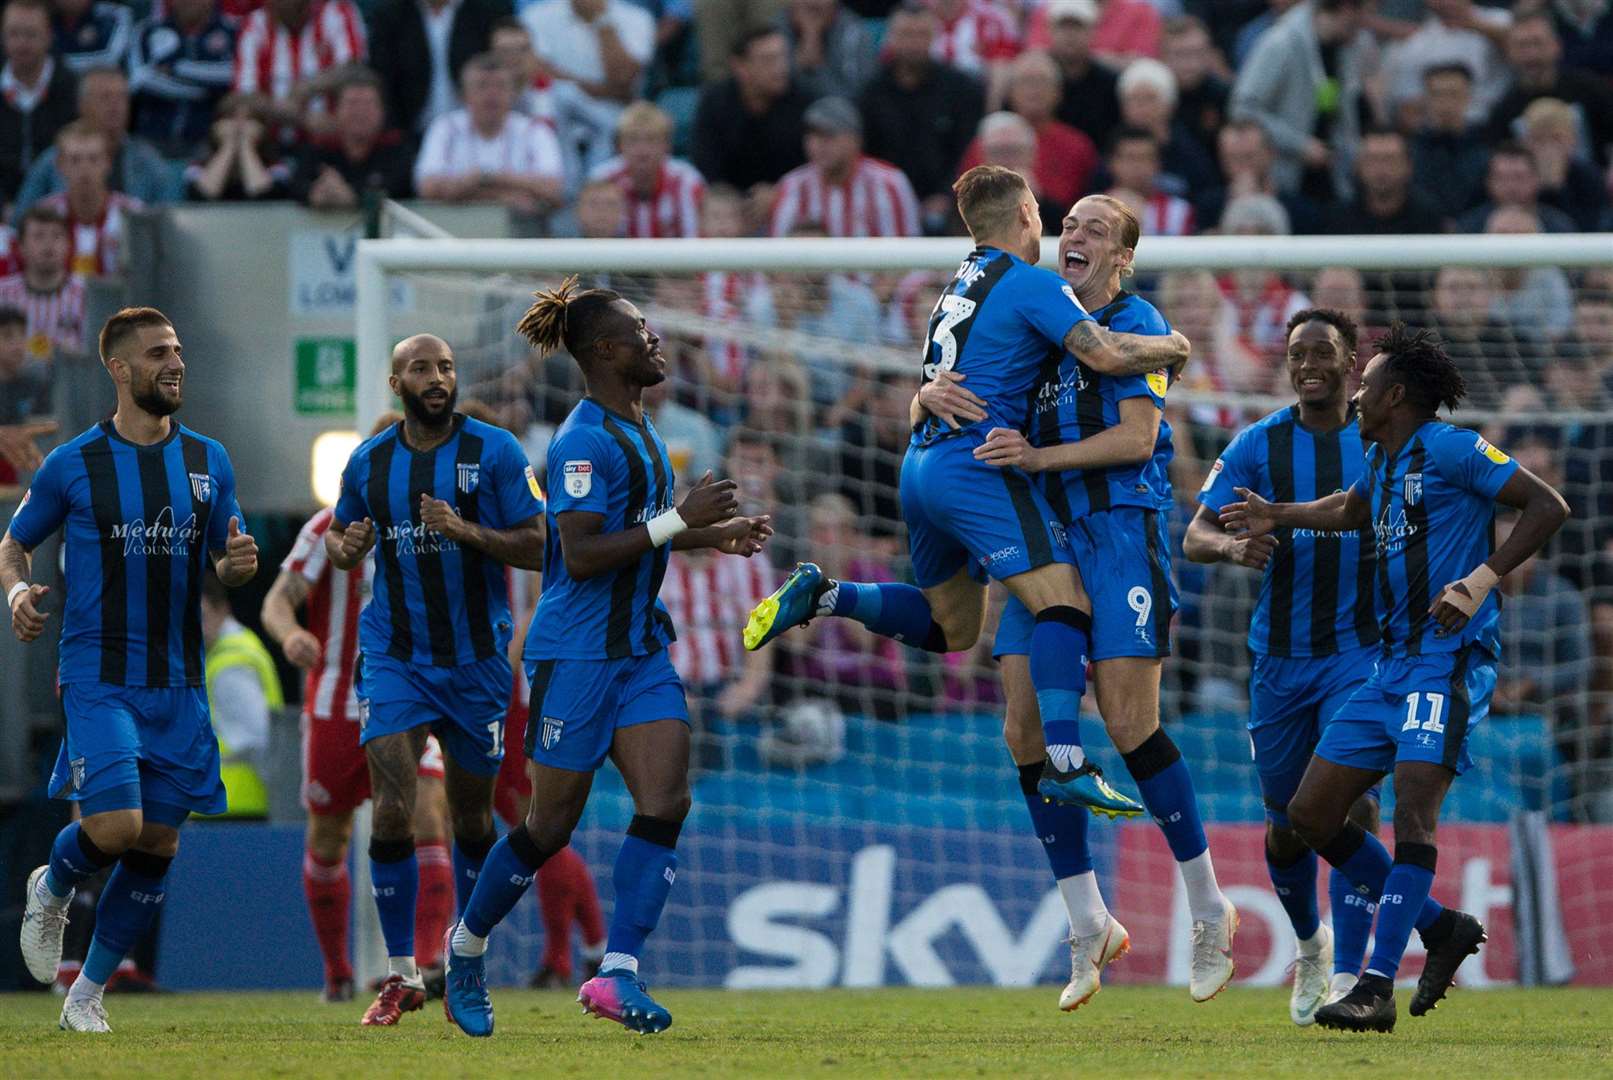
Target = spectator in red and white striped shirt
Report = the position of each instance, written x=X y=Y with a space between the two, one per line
x=840 y=187
x=288 y=51
x=1134 y=167
x=94 y=212
x=488 y=152
x=663 y=193
x=975 y=35
x=47 y=290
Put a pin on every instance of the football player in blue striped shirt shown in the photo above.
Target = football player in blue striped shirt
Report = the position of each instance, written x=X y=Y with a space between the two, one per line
x=602 y=684
x=147 y=505
x=447 y=502
x=1100 y=449
x=1314 y=634
x=1428 y=493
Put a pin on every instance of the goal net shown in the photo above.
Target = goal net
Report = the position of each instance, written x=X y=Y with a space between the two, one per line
x=857 y=820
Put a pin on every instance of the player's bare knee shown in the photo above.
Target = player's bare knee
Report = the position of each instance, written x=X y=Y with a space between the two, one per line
x=115 y=831
x=471 y=822
x=1313 y=821
x=328 y=835
x=159 y=840
x=1414 y=824
x=1367 y=814
x=671 y=804
x=1283 y=843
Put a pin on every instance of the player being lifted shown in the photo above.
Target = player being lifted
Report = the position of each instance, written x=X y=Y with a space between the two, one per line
x=1428 y=493
x=447 y=502
x=1314 y=634
x=998 y=322
x=1100 y=450
x=147 y=503
x=602 y=685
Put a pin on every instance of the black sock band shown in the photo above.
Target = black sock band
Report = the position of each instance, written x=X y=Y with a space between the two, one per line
x=390 y=851
x=1069 y=616
x=94 y=854
x=656 y=830
x=477 y=847
x=1154 y=756
x=526 y=849
x=1030 y=776
x=1345 y=843
x=1423 y=855
x=146 y=864
x=935 y=640
x=1279 y=862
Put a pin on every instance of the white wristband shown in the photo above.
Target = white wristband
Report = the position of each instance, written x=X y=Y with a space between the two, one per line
x=664 y=527
x=11 y=596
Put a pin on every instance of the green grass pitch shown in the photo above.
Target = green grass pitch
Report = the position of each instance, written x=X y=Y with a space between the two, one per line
x=1125 y=1033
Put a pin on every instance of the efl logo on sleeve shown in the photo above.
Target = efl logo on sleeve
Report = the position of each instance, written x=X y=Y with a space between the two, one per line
x=1215 y=470
x=532 y=484
x=1494 y=453
x=579 y=478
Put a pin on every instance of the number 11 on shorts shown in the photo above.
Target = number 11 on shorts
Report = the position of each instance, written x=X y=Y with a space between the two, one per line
x=1436 y=709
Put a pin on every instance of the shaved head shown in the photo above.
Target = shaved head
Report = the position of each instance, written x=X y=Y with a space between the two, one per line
x=419 y=345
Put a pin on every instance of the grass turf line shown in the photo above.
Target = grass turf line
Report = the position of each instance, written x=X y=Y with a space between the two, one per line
x=1127 y=1032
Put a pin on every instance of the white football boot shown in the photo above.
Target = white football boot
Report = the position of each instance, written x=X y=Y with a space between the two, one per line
x=1313 y=963
x=42 y=928
x=1212 y=954
x=84 y=1014
x=1089 y=955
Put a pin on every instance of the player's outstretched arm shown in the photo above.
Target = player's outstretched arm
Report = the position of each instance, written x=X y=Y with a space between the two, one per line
x=1207 y=542
x=1342 y=511
x=27 y=621
x=520 y=546
x=590 y=551
x=1130 y=442
x=1111 y=353
x=1543 y=513
x=347 y=544
x=744 y=536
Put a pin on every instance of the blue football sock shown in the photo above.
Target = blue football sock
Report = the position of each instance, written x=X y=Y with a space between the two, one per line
x=888 y=608
x=1061 y=829
x=1167 y=790
x=394 y=881
x=506 y=876
x=645 y=868
x=1058 y=663
x=1365 y=863
x=73 y=857
x=1352 y=924
x=1296 y=891
x=468 y=859
x=1404 y=893
x=128 y=904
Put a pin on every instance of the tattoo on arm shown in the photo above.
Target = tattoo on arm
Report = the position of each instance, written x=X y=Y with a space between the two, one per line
x=15 y=562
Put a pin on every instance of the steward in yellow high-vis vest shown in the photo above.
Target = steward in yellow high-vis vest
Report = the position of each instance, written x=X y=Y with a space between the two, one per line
x=243 y=688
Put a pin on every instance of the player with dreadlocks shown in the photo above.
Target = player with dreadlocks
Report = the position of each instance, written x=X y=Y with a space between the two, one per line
x=602 y=685
x=1428 y=493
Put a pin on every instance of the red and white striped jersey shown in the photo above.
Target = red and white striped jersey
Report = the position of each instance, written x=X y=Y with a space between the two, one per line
x=95 y=246
x=335 y=598
x=725 y=293
x=453 y=147
x=9 y=263
x=875 y=200
x=983 y=34
x=270 y=59
x=671 y=210
x=1168 y=215
x=709 y=598
x=55 y=319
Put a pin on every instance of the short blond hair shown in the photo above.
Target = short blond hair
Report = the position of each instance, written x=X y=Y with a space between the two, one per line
x=81 y=129
x=1547 y=113
x=643 y=118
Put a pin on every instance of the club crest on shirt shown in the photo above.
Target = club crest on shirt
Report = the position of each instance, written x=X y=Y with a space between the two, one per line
x=552 y=728
x=579 y=478
x=470 y=477
x=1411 y=492
x=201 y=486
x=75 y=769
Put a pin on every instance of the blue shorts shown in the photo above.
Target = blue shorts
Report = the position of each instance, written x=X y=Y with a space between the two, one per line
x=134 y=747
x=1125 y=563
x=464 y=706
x=1418 y=708
x=579 y=705
x=1291 y=702
x=964 y=513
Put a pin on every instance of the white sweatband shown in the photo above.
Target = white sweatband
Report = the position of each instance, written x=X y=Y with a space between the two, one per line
x=1478 y=584
x=11 y=597
x=664 y=527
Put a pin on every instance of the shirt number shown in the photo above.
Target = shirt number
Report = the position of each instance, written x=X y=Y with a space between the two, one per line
x=495 y=730
x=1436 y=709
x=953 y=311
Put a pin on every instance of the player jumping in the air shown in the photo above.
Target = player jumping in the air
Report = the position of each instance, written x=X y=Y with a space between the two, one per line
x=1100 y=449
x=999 y=322
x=447 y=502
x=1428 y=493
x=602 y=685
x=1315 y=629
x=147 y=504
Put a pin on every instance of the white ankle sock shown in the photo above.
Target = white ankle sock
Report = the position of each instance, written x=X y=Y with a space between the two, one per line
x=618 y=962
x=85 y=989
x=465 y=943
x=1204 y=898
x=404 y=966
x=1084 y=902
x=1065 y=757
x=826 y=602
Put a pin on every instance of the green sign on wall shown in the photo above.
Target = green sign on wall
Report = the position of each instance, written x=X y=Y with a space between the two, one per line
x=326 y=371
